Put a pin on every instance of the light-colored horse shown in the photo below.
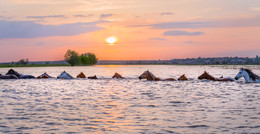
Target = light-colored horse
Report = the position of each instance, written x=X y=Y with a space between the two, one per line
x=249 y=76
x=64 y=75
x=149 y=76
x=117 y=76
x=207 y=76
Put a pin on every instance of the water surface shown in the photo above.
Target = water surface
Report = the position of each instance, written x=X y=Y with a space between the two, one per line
x=130 y=105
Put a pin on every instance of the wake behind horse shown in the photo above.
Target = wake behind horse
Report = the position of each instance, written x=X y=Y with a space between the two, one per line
x=249 y=76
x=207 y=76
x=149 y=76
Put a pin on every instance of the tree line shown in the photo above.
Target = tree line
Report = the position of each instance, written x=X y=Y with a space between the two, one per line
x=74 y=58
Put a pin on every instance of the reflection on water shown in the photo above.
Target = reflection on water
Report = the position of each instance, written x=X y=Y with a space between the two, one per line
x=129 y=105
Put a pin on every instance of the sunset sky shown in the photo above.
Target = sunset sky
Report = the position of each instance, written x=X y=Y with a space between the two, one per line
x=43 y=30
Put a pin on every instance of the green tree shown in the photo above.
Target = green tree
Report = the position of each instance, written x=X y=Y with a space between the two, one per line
x=88 y=59
x=84 y=60
x=72 y=57
x=93 y=59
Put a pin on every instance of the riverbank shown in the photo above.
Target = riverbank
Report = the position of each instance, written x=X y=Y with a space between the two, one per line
x=32 y=65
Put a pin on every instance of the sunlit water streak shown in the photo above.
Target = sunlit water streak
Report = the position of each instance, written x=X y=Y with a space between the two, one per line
x=129 y=105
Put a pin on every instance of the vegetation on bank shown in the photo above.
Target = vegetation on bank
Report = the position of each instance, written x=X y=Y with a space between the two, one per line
x=73 y=58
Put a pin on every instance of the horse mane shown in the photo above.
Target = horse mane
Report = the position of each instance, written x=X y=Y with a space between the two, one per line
x=251 y=74
x=153 y=77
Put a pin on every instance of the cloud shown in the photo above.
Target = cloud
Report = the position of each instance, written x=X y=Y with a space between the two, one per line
x=102 y=16
x=44 y=17
x=182 y=33
x=167 y=13
x=157 y=39
x=191 y=42
x=6 y=18
x=83 y=16
x=29 y=29
x=248 y=21
x=178 y=25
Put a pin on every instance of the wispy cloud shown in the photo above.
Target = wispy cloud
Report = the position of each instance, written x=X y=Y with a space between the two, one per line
x=157 y=39
x=44 y=17
x=253 y=21
x=178 y=25
x=28 y=29
x=191 y=42
x=83 y=16
x=167 y=13
x=182 y=33
x=102 y=16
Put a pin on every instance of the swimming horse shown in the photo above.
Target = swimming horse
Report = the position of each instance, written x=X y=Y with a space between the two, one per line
x=44 y=76
x=18 y=75
x=249 y=76
x=207 y=76
x=64 y=75
x=81 y=75
x=117 y=76
x=149 y=76
x=183 y=78
x=11 y=76
x=92 y=77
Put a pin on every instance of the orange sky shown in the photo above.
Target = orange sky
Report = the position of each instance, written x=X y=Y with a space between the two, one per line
x=145 y=29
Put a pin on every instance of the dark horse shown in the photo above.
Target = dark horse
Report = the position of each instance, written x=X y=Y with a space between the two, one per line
x=18 y=75
x=11 y=76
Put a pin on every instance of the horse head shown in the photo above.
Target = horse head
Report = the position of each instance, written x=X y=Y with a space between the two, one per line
x=203 y=76
x=207 y=76
x=147 y=75
x=11 y=71
x=241 y=73
x=44 y=76
x=92 y=77
x=64 y=75
x=117 y=76
x=247 y=74
x=81 y=75
x=183 y=77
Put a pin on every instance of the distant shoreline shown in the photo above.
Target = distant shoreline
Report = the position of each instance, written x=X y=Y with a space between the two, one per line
x=67 y=65
x=187 y=61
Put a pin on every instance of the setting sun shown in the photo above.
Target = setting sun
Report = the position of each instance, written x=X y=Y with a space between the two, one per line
x=111 y=40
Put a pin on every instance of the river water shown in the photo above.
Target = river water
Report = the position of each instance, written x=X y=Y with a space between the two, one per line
x=131 y=105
